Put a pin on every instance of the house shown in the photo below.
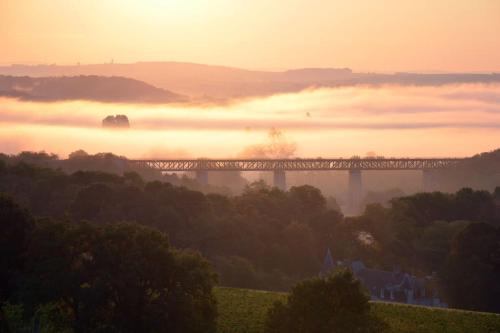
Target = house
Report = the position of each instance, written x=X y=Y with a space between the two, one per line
x=389 y=286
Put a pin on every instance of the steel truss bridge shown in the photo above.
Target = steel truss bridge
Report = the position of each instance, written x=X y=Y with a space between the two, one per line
x=278 y=166
x=297 y=164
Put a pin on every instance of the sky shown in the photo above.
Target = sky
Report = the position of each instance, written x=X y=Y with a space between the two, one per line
x=367 y=35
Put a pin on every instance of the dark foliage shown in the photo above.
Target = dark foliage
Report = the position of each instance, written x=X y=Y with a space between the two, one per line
x=472 y=270
x=118 y=121
x=262 y=238
x=253 y=226
x=112 y=278
x=15 y=227
x=335 y=304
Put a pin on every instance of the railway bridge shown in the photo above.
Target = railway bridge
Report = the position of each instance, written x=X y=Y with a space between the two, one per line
x=279 y=167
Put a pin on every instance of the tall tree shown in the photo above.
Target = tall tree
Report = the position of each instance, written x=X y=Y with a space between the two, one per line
x=470 y=275
x=16 y=224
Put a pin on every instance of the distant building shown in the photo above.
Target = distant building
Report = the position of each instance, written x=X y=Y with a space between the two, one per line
x=389 y=286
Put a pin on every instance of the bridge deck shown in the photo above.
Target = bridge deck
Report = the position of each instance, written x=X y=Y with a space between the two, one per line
x=297 y=164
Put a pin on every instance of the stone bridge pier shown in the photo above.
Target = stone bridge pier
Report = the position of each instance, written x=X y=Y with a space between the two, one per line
x=354 y=192
x=202 y=177
x=428 y=180
x=279 y=179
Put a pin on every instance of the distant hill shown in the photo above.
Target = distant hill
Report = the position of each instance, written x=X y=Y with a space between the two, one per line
x=93 y=88
x=219 y=82
x=481 y=171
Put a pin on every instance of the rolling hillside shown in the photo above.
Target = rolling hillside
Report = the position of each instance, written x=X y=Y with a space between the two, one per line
x=220 y=82
x=93 y=88
x=244 y=311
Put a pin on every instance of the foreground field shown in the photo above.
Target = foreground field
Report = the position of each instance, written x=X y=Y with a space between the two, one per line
x=244 y=311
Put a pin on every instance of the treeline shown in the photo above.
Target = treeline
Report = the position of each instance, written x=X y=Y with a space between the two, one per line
x=477 y=172
x=454 y=237
x=268 y=239
x=79 y=160
x=264 y=238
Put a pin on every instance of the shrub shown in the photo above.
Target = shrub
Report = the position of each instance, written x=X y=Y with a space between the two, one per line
x=337 y=303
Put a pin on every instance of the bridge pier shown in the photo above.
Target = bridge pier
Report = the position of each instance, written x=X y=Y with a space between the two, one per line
x=355 y=192
x=202 y=177
x=121 y=165
x=279 y=179
x=427 y=180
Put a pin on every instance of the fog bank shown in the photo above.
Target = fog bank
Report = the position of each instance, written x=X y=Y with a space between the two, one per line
x=454 y=120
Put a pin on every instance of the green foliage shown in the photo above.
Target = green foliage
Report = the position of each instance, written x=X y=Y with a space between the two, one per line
x=244 y=311
x=12 y=318
x=335 y=304
x=415 y=232
x=306 y=202
x=15 y=225
x=433 y=246
x=421 y=209
x=120 y=277
x=236 y=271
x=470 y=274
x=418 y=319
x=264 y=238
x=48 y=318
x=54 y=318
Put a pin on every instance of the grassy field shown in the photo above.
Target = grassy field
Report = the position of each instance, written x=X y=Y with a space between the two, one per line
x=244 y=311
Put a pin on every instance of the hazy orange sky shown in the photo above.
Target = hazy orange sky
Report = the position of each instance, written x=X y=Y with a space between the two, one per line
x=379 y=35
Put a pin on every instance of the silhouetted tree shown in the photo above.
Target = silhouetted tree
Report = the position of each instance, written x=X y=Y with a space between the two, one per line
x=15 y=227
x=118 y=121
x=119 y=278
x=470 y=274
x=335 y=304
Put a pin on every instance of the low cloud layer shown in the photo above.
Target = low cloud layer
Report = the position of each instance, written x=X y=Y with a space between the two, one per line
x=320 y=121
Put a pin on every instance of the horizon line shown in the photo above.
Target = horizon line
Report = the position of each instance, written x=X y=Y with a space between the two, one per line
x=377 y=71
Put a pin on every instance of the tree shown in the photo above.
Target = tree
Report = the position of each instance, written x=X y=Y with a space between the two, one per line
x=118 y=121
x=93 y=202
x=15 y=226
x=37 y=158
x=433 y=246
x=299 y=253
x=335 y=304
x=120 y=278
x=421 y=209
x=306 y=202
x=3 y=164
x=470 y=274
x=80 y=153
x=236 y=272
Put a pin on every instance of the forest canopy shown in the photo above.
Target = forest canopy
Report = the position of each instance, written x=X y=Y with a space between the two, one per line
x=265 y=238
